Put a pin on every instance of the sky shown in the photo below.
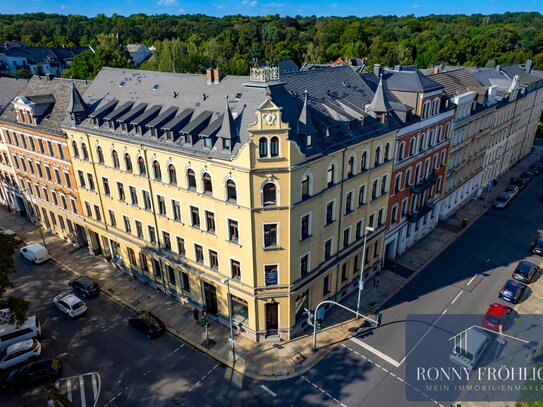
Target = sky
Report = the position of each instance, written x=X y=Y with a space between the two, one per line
x=263 y=7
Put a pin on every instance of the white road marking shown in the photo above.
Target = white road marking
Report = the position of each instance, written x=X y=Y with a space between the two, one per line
x=473 y=278
x=69 y=389
x=95 y=387
x=82 y=391
x=266 y=389
x=172 y=352
x=322 y=390
x=375 y=352
x=203 y=378
x=457 y=295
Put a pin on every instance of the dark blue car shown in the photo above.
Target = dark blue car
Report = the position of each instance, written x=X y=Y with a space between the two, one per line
x=512 y=291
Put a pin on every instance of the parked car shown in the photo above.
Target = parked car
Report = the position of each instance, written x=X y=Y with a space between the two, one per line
x=502 y=200
x=512 y=190
x=70 y=304
x=36 y=253
x=536 y=168
x=525 y=271
x=12 y=333
x=496 y=316
x=537 y=246
x=147 y=323
x=85 y=286
x=39 y=372
x=470 y=347
x=19 y=353
x=5 y=316
x=512 y=291
x=521 y=183
x=526 y=175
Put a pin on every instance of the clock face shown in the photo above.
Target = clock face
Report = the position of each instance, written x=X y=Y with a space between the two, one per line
x=269 y=118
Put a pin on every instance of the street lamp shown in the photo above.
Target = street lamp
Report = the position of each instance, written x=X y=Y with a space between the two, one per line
x=368 y=229
x=231 y=339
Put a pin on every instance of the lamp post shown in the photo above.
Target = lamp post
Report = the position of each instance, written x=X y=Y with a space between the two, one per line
x=368 y=229
x=231 y=339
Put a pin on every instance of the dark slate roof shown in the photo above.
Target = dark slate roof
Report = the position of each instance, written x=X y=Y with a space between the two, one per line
x=407 y=79
x=9 y=88
x=372 y=81
x=287 y=65
x=490 y=76
x=456 y=81
x=525 y=78
x=76 y=103
x=380 y=104
x=54 y=92
x=228 y=126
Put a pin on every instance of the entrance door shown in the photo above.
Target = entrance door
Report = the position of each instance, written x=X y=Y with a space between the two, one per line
x=272 y=323
x=210 y=294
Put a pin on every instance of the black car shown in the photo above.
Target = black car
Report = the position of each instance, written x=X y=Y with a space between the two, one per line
x=536 y=168
x=537 y=247
x=526 y=175
x=34 y=373
x=519 y=182
x=147 y=323
x=85 y=286
x=525 y=271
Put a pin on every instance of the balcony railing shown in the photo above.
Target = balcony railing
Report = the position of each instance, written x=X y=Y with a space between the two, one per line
x=415 y=216
x=425 y=184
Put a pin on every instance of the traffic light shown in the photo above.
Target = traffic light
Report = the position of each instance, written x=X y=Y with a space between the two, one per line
x=378 y=317
x=318 y=325
x=203 y=320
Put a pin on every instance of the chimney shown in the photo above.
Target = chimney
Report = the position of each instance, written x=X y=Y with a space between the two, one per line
x=218 y=75
x=436 y=69
x=528 y=66
x=498 y=67
x=377 y=70
x=209 y=76
x=50 y=76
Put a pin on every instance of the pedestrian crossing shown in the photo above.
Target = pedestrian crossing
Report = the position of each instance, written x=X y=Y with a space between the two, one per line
x=82 y=390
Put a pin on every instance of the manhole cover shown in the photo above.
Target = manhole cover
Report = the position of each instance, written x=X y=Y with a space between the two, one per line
x=298 y=358
x=277 y=346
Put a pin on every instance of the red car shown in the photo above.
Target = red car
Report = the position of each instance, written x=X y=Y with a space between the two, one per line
x=495 y=316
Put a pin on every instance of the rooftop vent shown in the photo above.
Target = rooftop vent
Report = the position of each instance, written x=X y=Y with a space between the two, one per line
x=155 y=87
x=238 y=96
x=121 y=84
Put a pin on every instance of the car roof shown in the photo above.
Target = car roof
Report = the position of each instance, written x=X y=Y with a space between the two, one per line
x=70 y=299
x=34 y=246
x=512 y=285
x=23 y=345
x=504 y=195
x=525 y=265
x=84 y=280
x=497 y=309
x=147 y=316
x=539 y=241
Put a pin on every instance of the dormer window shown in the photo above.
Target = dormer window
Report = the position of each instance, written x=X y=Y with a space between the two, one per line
x=309 y=140
x=207 y=142
x=226 y=144
x=169 y=135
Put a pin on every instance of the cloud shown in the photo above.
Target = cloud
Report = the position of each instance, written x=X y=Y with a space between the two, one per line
x=273 y=5
x=168 y=2
x=334 y=5
x=218 y=6
x=416 y=5
x=64 y=7
x=249 y=3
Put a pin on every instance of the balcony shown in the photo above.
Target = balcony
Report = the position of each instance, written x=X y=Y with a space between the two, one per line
x=425 y=184
x=415 y=216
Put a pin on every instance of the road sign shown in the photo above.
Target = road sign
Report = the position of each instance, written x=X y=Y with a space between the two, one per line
x=361 y=286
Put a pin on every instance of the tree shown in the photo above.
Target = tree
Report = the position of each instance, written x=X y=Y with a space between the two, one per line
x=23 y=73
x=17 y=306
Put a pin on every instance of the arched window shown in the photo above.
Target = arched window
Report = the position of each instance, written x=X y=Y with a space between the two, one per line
x=412 y=146
x=421 y=141
x=75 y=149
x=115 y=159
x=425 y=109
x=172 y=174
x=274 y=147
x=263 y=147
x=100 y=155
x=84 y=151
x=377 y=155
x=439 y=133
x=306 y=187
x=364 y=161
x=447 y=130
x=208 y=186
x=350 y=167
x=128 y=162
x=141 y=166
x=231 y=193
x=269 y=194
x=435 y=106
x=331 y=175
x=387 y=152
x=156 y=171
x=191 y=179
x=401 y=151
x=431 y=139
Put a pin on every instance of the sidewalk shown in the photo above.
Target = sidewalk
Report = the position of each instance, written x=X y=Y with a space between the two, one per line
x=265 y=360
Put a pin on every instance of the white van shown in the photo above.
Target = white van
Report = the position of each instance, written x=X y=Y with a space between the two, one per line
x=35 y=253
x=11 y=333
x=469 y=347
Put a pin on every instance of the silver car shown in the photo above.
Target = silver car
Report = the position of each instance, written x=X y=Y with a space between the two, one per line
x=502 y=200
x=19 y=353
x=512 y=190
x=70 y=304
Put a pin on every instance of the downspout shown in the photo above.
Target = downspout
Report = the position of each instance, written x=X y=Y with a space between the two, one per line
x=340 y=217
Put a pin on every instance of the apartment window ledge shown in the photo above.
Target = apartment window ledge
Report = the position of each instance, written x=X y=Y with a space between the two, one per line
x=272 y=248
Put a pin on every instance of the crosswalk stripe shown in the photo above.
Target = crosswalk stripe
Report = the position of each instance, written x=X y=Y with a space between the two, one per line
x=82 y=391
x=69 y=389
x=94 y=386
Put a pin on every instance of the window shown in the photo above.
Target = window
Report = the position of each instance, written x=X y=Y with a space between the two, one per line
x=112 y=219
x=326 y=286
x=133 y=195
x=97 y=213
x=146 y=200
x=394 y=214
x=185 y=281
x=161 y=205
x=195 y=216
x=74 y=205
x=128 y=162
x=380 y=217
x=191 y=179
x=47 y=170
x=55 y=199
x=144 y=264
x=270 y=235
x=210 y=221
x=269 y=194
x=329 y=212
x=371 y=219
x=377 y=156
x=166 y=242
x=408 y=177
x=91 y=181
x=75 y=150
x=208 y=186
x=40 y=144
x=52 y=152
x=384 y=185
x=199 y=253
x=38 y=168
x=213 y=259
x=270 y=274
x=115 y=159
x=126 y=221
x=152 y=233
x=120 y=191
x=328 y=249
x=364 y=161
x=263 y=147
x=374 y=189
x=376 y=249
x=304 y=265
x=235 y=267
x=421 y=141
x=412 y=146
x=350 y=167
x=176 y=210
x=105 y=183
x=387 y=152
x=305 y=227
x=358 y=229
x=330 y=175
x=62 y=198
x=346 y=237
x=274 y=147
x=231 y=194
x=84 y=150
x=349 y=202
x=57 y=175
x=398 y=183
x=156 y=171
x=100 y=155
x=181 y=246
x=401 y=151
x=362 y=195
x=344 y=272
x=66 y=178
x=172 y=174
x=305 y=186
x=81 y=178
x=141 y=166
x=171 y=275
